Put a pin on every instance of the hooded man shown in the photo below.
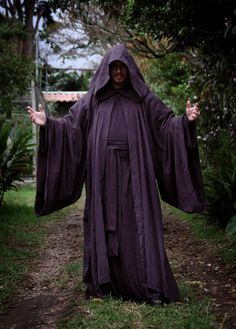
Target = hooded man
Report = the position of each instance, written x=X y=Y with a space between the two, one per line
x=121 y=141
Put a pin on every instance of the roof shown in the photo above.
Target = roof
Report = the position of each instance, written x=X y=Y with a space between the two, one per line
x=63 y=96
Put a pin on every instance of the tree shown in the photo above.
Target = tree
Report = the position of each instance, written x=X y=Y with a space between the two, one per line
x=93 y=31
x=15 y=70
x=28 y=15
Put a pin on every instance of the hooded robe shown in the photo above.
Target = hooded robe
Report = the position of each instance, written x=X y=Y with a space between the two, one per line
x=124 y=145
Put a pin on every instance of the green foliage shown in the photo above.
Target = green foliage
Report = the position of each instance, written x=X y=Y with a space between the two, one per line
x=220 y=189
x=171 y=78
x=15 y=71
x=71 y=81
x=186 y=24
x=15 y=155
x=15 y=76
x=63 y=81
x=217 y=144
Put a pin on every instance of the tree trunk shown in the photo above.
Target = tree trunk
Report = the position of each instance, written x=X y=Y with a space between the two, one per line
x=28 y=47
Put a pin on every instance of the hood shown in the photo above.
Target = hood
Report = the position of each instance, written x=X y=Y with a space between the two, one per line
x=102 y=77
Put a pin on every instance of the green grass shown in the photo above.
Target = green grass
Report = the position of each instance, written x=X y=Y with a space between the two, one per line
x=115 y=313
x=18 y=240
x=21 y=234
x=200 y=227
x=69 y=272
x=224 y=246
x=227 y=251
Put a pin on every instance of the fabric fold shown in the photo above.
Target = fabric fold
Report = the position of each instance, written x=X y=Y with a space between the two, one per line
x=116 y=152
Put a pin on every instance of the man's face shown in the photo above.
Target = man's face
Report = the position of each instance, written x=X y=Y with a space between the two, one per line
x=118 y=74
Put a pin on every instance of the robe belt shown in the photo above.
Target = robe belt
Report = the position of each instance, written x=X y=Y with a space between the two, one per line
x=117 y=151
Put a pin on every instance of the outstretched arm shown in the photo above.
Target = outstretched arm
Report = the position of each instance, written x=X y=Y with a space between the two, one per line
x=37 y=117
x=176 y=155
x=61 y=163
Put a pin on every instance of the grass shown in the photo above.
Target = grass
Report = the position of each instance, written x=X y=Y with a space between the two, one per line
x=21 y=234
x=69 y=272
x=115 y=313
x=224 y=246
x=18 y=240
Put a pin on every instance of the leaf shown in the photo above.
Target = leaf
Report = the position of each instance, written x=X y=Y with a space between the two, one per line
x=231 y=227
x=234 y=30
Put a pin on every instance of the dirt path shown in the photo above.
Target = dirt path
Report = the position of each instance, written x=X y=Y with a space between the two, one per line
x=41 y=303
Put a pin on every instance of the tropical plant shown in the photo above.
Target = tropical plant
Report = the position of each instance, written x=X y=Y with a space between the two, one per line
x=15 y=155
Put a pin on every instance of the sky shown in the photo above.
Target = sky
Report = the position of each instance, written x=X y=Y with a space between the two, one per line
x=79 y=62
x=67 y=38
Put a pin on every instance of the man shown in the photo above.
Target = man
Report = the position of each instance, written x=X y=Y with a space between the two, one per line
x=122 y=141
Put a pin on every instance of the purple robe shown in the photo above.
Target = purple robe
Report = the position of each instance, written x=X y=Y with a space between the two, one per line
x=122 y=144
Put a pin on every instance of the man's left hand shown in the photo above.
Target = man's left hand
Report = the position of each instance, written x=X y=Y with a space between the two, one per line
x=192 y=111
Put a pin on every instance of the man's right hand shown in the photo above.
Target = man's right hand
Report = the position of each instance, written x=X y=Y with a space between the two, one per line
x=37 y=117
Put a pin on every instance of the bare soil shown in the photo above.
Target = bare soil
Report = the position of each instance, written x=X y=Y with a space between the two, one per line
x=41 y=303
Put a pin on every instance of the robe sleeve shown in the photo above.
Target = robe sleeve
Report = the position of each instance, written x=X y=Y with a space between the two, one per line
x=176 y=157
x=61 y=160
